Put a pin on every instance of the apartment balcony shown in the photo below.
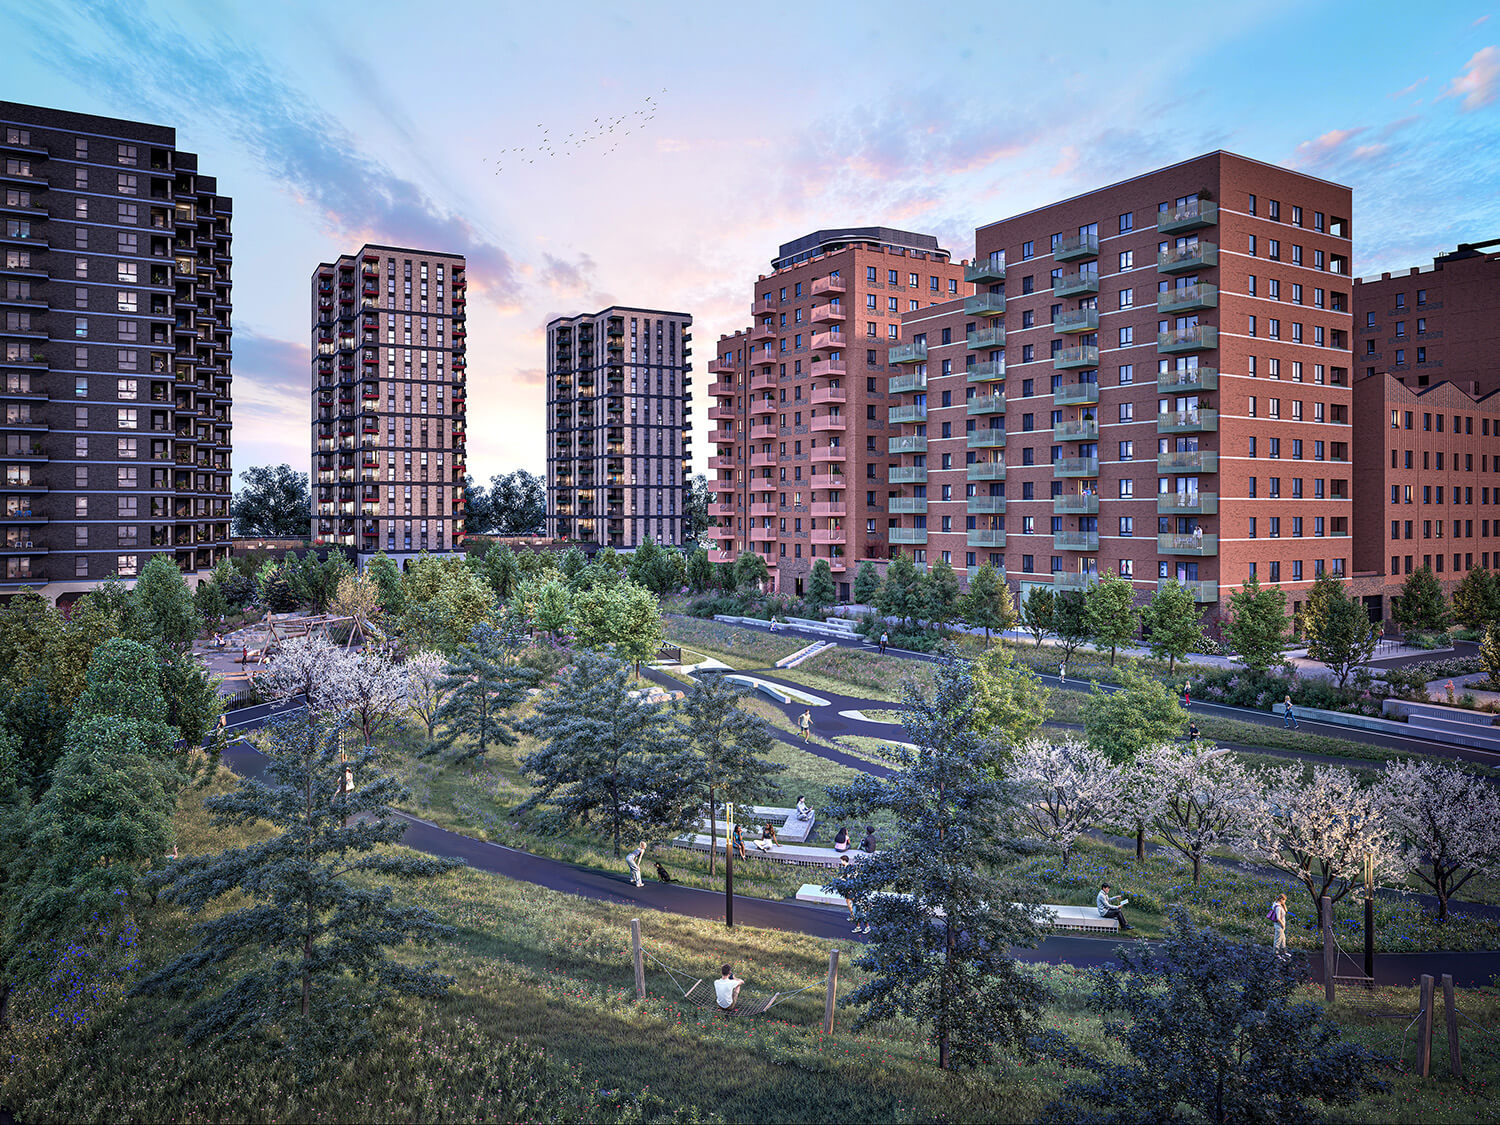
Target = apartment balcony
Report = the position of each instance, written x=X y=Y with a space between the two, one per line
x=1198 y=338
x=762 y=509
x=986 y=404
x=1199 y=545
x=987 y=272
x=762 y=332
x=823 y=341
x=1204 y=592
x=909 y=443
x=986 y=537
x=1076 y=467
x=828 y=314
x=763 y=460
x=762 y=484
x=763 y=306
x=906 y=414
x=764 y=431
x=828 y=481
x=833 y=454
x=915 y=352
x=1076 y=284
x=1190 y=381
x=906 y=384
x=1186 y=217
x=1077 y=429
x=1186 y=259
x=760 y=407
x=722 y=413
x=986 y=470
x=715 y=485
x=822 y=395
x=986 y=439
x=828 y=284
x=986 y=506
x=826 y=368
x=723 y=437
x=908 y=536
x=907 y=474
x=766 y=381
x=1076 y=320
x=1080 y=583
x=1076 y=394
x=830 y=509
x=1076 y=504
x=762 y=535
x=985 y=304
x=1187 y=503
x=907 y=505
x=766 y=357
x=986 y=371
x=1083 y=355
x=1075 y=540
x=1187 y=422
x=829 y=423
x=1188 y=461
x=991 y=337
x=1076 y=248
x=1189 y=298
x=724 y=366
x=829 y=535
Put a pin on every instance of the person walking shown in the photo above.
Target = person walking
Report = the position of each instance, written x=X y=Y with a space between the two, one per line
x=885 y=639
x=1187 y=694
x=1278 y=925
x=805 y=723
x=1288 y=716
x=860 y=926
x=633 y=861
x=1193 y=733
x=1062 y=673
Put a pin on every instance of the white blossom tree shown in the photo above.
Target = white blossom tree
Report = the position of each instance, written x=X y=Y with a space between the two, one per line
x=314 y=668
x=1448 y=821
x=424 y=695
x=1203 y=796
x=378 y=691
x=1322 y=831
x=1140 y=798
x=1063 y=790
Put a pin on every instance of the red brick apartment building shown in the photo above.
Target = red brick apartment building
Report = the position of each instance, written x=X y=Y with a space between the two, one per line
x=803 y=426
x=1152 y=378
x=1427 y=421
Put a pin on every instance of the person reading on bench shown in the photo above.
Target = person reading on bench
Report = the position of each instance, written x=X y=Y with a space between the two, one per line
x=727 y=988
x=1109 y=909
x=802 y=812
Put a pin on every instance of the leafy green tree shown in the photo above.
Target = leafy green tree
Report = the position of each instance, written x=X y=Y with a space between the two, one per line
x=1124 y=724
x=1257 y=624
x=655 y=568
x=1174 y=623
x=605 y=753
x=1036 y=612
x=987 y=603
x=952 y=974
x=1338 y=628
x=29 y=626
x=1489 y=654
x=445 y=600
x=1206 y=1029
x=695 y=518
x=821 y=591
x=1110 y=614
x=210 y=602
x=727 y=745
x=386 y=575
x=866 y=584
x=572 y=564
x=941 y=591
x=700 y=571
x=901 y=592
x=275 y=503
x=1070 y=621
x=623 y=617
x=610 y=560
x=315 y=581
x=192 y=696
x=517 y=503
x=35 y=727
x=1420 y=606
x=726 y=576
x=1476 y=600
x=483 y=682
x=162 y=613
x=554 y=608
x=750 y=571
x=479 y=518
x=1010 y=702
x=303 y=953
x=273 y=589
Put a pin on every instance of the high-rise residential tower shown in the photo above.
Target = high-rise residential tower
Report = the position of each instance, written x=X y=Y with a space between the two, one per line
x=388 y=402
x=1153 y=379
x=115 y=301
x=802 y=401
x=618 y=427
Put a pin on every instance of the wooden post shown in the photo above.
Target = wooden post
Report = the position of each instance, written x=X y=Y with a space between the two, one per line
x=1424 y=1029
x=833 y=989
x=640 y=960
x=1329 y=949
x=1450 y=1015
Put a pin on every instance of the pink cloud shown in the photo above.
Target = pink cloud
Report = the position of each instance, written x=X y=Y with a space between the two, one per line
x=1479 y=84
x=1413 y=88
x=1325 y=147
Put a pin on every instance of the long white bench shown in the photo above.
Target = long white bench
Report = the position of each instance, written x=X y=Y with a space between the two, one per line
x=788 y=829
x=1063 y=917
x=800 y=855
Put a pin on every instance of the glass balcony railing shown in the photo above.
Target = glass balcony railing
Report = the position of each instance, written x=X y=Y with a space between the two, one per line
x=1187 y=503
x=1076 y=429
x=907 y=474
x=909 y=353
x=1076 y=467
x=992 y=337
x=906 y=414
x=987 y=272
x=1187 y=422
x=986 y=371
x=1075 y=540
x=985 y=304
x=1187 y=216
x=987 y=470
x=1188 y=380
x=908 y=535
x=986 y=537
x=1076 y=284
x=910 y=443
x=1076 y=320
x=1185 y=259
x=1204 y=592
x=1188 y=461
x=1195 y=338
x=1084 y=355
x=1080 y=583
x=987 y=439
x=1078 y=504
x=1076 y=247
x=908 y=505
x=986 y=505
x=906 y=384
x=986 y=404
x=1187 y=544
x=1076 y=394
x=1189 y=298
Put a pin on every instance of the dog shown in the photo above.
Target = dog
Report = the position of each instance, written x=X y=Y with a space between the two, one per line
x=663 y=874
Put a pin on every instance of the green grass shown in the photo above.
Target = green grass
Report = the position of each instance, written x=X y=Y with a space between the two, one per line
x=845 y=671
x=884 y=714
x=739 y=648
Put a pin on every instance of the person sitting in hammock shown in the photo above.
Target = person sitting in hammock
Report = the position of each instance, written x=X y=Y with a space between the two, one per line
x=727 y=988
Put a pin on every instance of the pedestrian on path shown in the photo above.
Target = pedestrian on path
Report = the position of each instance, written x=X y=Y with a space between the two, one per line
x=806 y=724
x=633 y=861
x=1187 y=694
x=1288 y=716
x=885 y=639
x=1278 y=924
x=1062 y=672
x=1193 y=734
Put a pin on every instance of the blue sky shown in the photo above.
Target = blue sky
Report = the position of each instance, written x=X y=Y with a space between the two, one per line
x=747 y=126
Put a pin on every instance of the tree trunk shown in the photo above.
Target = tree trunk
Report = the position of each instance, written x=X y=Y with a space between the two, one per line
x=713 y=833
x=1140 y=842
x=1197 y=862
x=1442 y=897
x=943 y=997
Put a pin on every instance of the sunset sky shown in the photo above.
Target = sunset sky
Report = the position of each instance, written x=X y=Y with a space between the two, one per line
x=735 y=128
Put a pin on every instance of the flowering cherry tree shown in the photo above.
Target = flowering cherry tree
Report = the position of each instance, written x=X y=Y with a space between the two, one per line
x=314 y=668
x=424 y=675
x=1448 y=821
x=1063 y=790
x=378 y=691
x=1202 y=797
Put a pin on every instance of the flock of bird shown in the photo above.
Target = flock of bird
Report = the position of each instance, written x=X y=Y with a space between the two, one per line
x=604 y=130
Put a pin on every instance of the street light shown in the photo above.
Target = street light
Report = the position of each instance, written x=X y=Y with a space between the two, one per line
x=1370 y=916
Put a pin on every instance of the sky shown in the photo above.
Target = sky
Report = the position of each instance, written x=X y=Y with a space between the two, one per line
x=657 y=155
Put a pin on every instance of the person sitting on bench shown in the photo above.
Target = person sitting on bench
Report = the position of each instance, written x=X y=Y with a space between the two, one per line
x=727 y=988
x=868 y=843
x=841 y=839
x=802 y=812
x=767 y=839
x=1109 y=909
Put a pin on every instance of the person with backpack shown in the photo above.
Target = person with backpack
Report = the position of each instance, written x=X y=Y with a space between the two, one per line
x=1277 y=918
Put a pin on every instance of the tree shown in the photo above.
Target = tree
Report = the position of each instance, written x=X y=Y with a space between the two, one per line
x=210 y=602
x=1036 y=612
x=554 y=608
x=1070 y=621
x=382 y=570
x=194 y=704
x=1174 y=624
x=274 y=502
x=162 y=613
x=987 y=603
x=1062 y=791
x=605 y=751
x=1476 y=600
x=901 y=593
x=940 y=951
x=1205 y=796
x=940 y=593
x=482 y=682
x=1489 y=654
x=479 y=516
x=445 y=600
x=1124 y=724
x=728 y=747
x=315 y=581
x=1212 y=1028
x=312 y=669
x=424 y=694
x=1010 y=703
x=821 y=591
x=1257 y=624
x=654 y=568
x=571 y=564
x=1447 y=819
x=750 y=571
x=378 y=693
x=518 y=503
x=1322 y=830
x=1339 y=631
x=1109 y=613
x=866 y=584
x=695 y=519
x=700 y=571
x=500 y=569
x=1420 y=606
x=357 y=596
x=307 y=955
x=623 y=617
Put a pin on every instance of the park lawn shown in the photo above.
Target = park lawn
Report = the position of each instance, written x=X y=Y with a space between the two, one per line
x=737 y=647
x=848 y=671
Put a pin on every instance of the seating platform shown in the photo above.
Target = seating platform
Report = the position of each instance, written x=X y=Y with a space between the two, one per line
x=788 y=829
x=1063 y=917
x=801 y=855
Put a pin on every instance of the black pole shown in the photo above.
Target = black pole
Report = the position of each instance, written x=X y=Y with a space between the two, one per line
x=1370 y=936
x=729 y=878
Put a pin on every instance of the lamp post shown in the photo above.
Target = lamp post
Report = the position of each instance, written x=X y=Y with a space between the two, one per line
x=729 y=864
x=1370 y=916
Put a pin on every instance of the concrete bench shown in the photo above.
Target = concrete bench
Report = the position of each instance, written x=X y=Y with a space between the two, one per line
x=1397 y=707
x=791 y=831
x=837 y=625
x=800 y=855
x=1063 y=917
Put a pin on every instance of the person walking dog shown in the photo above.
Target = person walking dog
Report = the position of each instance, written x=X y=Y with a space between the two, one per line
x=633 y=861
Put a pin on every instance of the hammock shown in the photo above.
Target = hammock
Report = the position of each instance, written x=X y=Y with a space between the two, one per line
x=701 y=992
